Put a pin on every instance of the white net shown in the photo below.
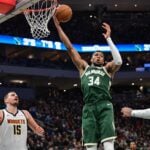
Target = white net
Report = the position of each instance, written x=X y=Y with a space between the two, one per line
x=38 y=16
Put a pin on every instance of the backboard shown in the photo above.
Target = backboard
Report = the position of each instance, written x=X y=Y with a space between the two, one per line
x=20 y=6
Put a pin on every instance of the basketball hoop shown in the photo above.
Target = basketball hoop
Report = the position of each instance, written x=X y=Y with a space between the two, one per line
x=38 y=16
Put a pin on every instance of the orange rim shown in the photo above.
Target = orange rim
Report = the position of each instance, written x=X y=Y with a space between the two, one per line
x=28 y=10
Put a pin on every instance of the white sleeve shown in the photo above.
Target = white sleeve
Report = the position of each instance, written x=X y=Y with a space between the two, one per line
x=115 y=52
x=144 y=113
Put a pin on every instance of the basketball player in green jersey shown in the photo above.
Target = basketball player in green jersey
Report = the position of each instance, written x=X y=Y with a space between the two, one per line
x=97 y=117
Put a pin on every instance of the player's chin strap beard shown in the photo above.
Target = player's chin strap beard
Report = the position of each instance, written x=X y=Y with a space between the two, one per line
x=97 y=65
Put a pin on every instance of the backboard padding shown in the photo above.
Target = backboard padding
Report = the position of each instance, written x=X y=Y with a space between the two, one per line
x=20 y=6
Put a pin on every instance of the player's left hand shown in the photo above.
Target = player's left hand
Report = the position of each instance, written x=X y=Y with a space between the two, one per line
x=40 y=131
x=108 y=30
x=126 y=111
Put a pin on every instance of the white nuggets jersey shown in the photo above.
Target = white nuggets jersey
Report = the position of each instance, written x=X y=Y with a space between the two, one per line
x=13 y=131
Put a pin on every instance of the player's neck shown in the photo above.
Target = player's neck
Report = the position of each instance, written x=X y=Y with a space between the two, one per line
x=96 y=65
x=12 y=109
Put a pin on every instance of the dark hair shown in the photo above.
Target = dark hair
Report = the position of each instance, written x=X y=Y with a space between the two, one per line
x=96 y=52
x=6 y=95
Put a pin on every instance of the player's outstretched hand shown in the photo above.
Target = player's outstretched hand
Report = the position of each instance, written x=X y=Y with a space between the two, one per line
x=107 y=28
x=126 y=111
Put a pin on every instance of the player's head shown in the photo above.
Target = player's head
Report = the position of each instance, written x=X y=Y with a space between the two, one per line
x=11 y=98
x=97 y=58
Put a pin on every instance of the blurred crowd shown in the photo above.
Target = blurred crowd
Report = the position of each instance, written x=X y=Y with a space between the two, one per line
x=132 y=61
x=84 y=27
x=60 y=115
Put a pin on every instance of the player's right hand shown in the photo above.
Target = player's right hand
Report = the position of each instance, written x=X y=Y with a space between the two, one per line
x=126 y=111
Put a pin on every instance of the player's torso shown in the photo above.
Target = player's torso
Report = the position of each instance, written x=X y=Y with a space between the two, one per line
x=13 y=131
x=95 y=84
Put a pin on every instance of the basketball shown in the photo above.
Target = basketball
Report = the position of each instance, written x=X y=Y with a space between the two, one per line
x=63 y=13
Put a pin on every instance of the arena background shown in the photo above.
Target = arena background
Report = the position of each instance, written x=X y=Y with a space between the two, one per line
x=48 y=83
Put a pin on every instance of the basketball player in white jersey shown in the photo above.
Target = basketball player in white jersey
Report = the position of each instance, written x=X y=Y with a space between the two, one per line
x=13 y=125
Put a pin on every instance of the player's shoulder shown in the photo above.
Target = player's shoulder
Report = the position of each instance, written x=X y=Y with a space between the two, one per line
x=1 y=115
x=26 y=113
x=82 y=72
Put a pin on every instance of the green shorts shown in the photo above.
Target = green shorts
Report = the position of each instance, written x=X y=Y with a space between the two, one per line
x=98 y=123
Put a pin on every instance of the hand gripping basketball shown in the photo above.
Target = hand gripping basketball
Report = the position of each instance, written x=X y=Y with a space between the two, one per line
x=63 y=13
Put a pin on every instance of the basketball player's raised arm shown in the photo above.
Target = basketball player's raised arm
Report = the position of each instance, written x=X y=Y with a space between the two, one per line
x=114 y=65
x=129 y=112
x=76 y=58
x=33 y=125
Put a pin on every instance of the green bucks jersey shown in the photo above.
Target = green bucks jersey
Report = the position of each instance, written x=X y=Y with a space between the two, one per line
x=95 y=84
